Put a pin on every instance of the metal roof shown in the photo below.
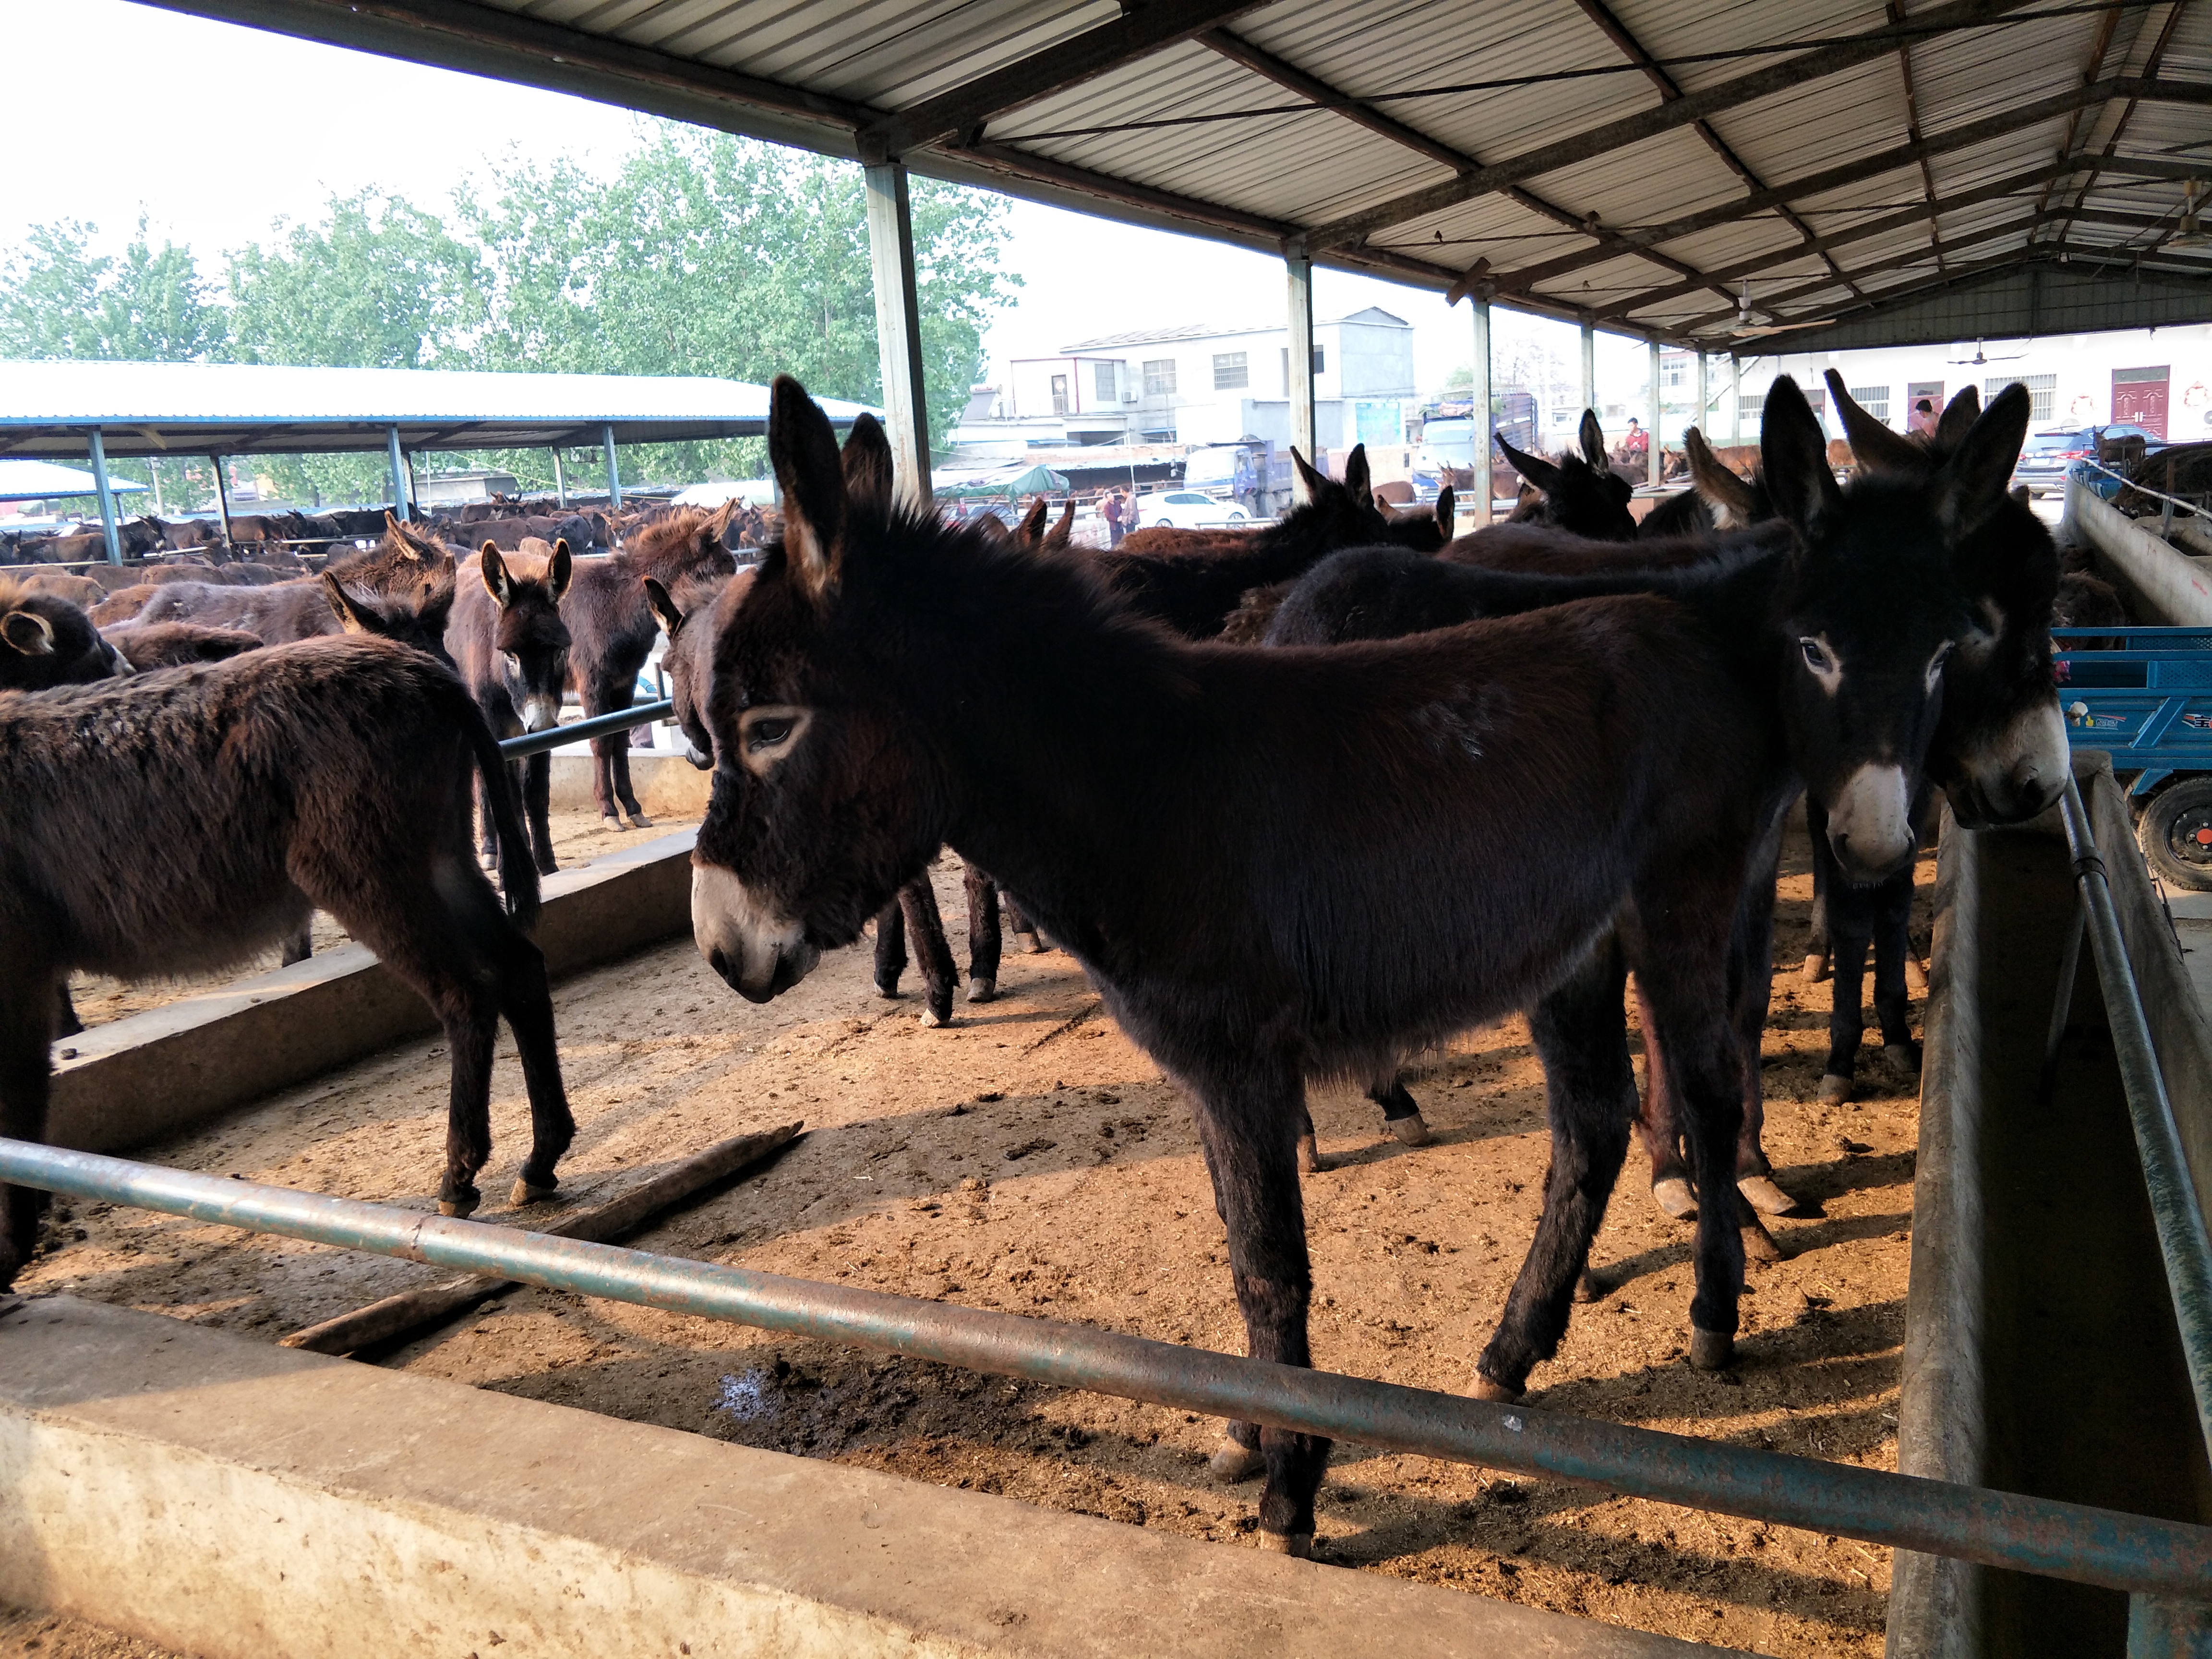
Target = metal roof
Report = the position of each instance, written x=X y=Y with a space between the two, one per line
x=39 y=481
x=1372 y=317
x=236 y=409
x=1629 y=161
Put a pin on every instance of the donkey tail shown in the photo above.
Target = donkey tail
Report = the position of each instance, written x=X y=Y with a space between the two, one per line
x=518 y=868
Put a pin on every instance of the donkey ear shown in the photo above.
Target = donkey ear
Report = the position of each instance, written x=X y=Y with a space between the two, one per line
x=1874 y=446
x=663 y=605
x=1958 y=419
x=1535 y=468
x=29 y=633
x=1032 y=524
x=1972 y=483
x=718 y=523
x=1793 y=452
x=1314 y=482
x=1593 y=440
x=1355 y=474
x=869 y=474
x=559 y=568
x=493 y=569
x=1447 y=510
x=1734 y=502
x=804 y=452
x=351 y=619
x=1062 y=534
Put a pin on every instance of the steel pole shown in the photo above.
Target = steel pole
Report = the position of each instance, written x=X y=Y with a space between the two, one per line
x=1298 y=379
x=2060 y=1541
x=399 y=503
x=898 y=326
x=106 y=497
x=1704 y=392
x=1735 y=398
x=560 y=479
x=614 y=474
x=1482 y=399
x=1652 y=468
x=221 y=497
x=1589 y=364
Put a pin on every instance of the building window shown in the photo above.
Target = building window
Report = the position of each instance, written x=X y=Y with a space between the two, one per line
x=1102 y=380
x=1228 y=371
x=1159 y=378
x=1874 y=399
x=1059 y=394
x=2042 y=393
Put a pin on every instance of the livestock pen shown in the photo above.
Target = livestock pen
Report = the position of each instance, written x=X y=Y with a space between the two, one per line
x=1710 y=178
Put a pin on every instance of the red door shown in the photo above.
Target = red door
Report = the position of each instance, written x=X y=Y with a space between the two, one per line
x=2139 y=397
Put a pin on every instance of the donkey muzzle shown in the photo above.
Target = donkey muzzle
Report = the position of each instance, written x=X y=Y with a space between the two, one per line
x=1870 y=823
x=2017 y=776
x=541 y=714
x=758 y=954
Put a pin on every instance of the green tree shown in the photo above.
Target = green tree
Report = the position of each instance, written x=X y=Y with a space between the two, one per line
x=59 y=299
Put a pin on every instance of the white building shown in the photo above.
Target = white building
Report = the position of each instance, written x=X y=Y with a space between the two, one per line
x=1202 y=385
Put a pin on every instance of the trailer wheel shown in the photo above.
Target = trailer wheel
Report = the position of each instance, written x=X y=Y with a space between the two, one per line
x=2176 y=833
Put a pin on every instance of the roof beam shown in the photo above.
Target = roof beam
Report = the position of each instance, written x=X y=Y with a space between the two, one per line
x=1294 y=79
x=1900 y=156
x=960 y=115
x=2146 y=168
x=1666 y=118
x=1670 y=92
x=2150 y=68
x=1913 y=134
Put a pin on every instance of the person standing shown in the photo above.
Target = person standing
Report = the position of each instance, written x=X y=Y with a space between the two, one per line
x=1110 y=510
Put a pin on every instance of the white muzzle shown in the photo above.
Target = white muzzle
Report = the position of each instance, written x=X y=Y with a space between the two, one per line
x=757 y=953
x=1870 y=823
x=541 y=714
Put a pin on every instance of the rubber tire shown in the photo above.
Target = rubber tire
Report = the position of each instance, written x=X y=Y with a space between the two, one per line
x=2192 y=798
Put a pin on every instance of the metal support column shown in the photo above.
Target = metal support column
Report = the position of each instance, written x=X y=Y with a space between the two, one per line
x=614 y=474
x=1298 y=267
x=1704 y=394
x=898 y=327
x=1653 y=469
x=1480 y=398
x=221 y=495
x=399 y=507
x=560 y=479
x=106 y=497
x=1589 y=364
x=1735 y=398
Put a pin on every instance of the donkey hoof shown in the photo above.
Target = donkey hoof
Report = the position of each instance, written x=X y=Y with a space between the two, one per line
x=1816 y=967
x=1233 y=1461
x=1711 y=1351
x=1037 y=946
x=1759 y=1244
x=982 y=988
x=1586 y=1287
x=933 y=1020
x=1311 y=1159
x=524 y=1193
x=1298 y=1545
x=1835 y=1088
x=1903 y=1058
x=1764 y=1196
x=1672 y=1194
x=1496 y=1393
x=609 y=821
x=461 y=1207
x=639 y=821
x=1413 y=1130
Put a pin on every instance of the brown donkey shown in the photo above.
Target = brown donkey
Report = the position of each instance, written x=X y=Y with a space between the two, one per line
x=511 y=648
x=250 y=792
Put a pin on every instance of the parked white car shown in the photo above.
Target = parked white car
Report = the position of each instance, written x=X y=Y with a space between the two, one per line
x=1187 y=509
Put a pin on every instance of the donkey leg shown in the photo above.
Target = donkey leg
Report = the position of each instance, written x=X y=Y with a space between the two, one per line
x=1249 y=1128
x=1825 y=876
x=27 y=1012
x=299 y=943
x=603 y=774
x=537 y=802
x=919 y=900
x=1658 y=1125
x=891 y=948
x=1851 y=920
x=1019 y=924
x=487 y=825
x=1892 y=951
x=1590 y=1094
x=1401 y=1113
x=66 y=1024
x=983 y=940
x=1751 y=992
x=624 y=791
x=527 y=1002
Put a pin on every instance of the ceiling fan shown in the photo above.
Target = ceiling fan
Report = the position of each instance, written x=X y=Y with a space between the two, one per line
x=1979 y=358
x=2190 y=232
x=1745 y=329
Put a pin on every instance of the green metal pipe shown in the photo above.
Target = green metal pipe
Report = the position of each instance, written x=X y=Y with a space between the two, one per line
x=2060 y=1540
x=2182 y=1238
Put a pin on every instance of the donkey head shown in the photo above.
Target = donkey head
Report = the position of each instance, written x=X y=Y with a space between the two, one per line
x=1338 y=515
x=1999 y=754
x=1871 y=611
x=1424 y=533
x=529 y=640
x=414 y=615
x=1580 y=493
x=688 y=661
x=797 y=739
x=45 y=640
x=1736 y=503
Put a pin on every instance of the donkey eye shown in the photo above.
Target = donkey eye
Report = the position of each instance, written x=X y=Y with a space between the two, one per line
x=1816 y=655
x=766 y=734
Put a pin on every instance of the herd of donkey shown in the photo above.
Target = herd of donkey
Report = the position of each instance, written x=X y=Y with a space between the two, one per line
x=1301 y=800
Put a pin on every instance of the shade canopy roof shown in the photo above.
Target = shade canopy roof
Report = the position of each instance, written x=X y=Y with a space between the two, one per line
x=39 y=481
x=1640 y=163
x=235 y=409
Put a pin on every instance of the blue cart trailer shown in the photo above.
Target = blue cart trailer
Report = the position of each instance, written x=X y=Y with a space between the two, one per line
x=2145 y=695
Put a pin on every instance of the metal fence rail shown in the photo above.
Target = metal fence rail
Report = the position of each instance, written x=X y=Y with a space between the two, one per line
x=2147 y=1558
x=599 y=726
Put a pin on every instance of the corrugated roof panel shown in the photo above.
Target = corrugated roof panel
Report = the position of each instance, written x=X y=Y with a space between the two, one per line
x=1670 y=32
x=1824 y=124
x=1675 y=173
x=1975 y=73
x=1730 y=243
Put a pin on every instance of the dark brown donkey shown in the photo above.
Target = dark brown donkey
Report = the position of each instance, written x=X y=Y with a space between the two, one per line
x=333 y=776
x=511 y=647
x=1221 y=836
x=612 y=628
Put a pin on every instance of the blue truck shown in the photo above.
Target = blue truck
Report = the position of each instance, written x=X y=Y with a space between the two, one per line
x=2145 y=695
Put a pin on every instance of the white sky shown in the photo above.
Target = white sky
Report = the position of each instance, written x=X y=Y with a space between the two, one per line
x=212 y=130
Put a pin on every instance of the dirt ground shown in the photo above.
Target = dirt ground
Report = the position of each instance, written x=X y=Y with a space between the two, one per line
x=578 y=836
x=1030 y=1159
x=23 y=1634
